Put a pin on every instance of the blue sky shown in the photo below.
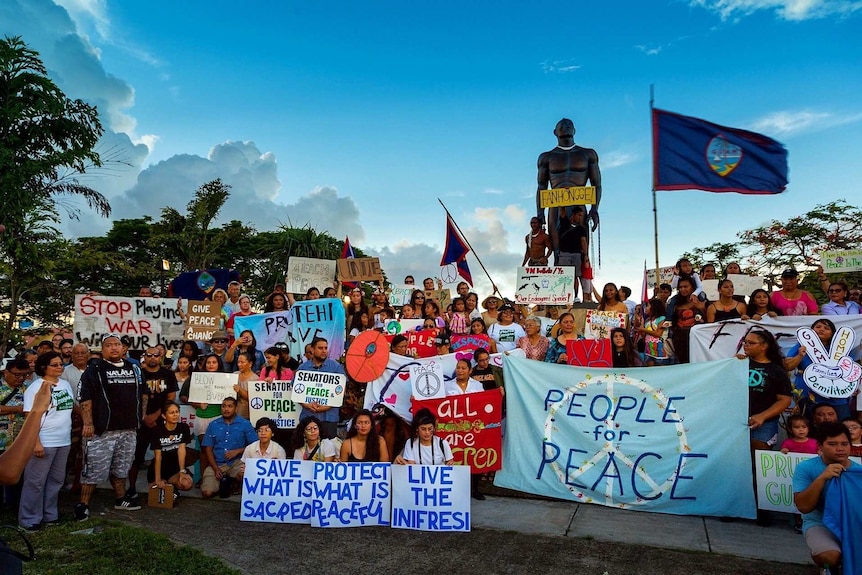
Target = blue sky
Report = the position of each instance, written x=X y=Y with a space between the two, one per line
x=355 y=117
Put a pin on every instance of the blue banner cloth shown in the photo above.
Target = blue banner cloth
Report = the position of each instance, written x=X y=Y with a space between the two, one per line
x=842 y=514
x=690 y=153
x=668 y=439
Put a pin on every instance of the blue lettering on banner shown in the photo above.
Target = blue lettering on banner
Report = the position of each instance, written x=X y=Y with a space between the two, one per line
x=431 y=498
x=277 y=490
x=350 y=494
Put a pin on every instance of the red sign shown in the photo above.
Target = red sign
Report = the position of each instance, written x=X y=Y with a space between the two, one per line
x=421 y=343
x=590 y=352
x=471 y=423
x=470 y=342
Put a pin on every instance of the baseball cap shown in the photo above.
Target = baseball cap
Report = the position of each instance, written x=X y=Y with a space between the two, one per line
x=790 y=273
x=441 y=339
x=218 y=335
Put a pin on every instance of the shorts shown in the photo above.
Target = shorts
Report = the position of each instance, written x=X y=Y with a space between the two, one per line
x=211 y=484
x=142 y=444
x=201 y=424
x=767 y=433
x=570 y=259
x=819 y=540
x=109 y=454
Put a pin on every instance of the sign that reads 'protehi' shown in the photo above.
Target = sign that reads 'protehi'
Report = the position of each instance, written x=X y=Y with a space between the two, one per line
x=319 y=387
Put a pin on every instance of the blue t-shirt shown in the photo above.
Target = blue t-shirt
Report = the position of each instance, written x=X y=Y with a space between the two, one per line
x=803 y=476
x=223 y=436
x=328 y=366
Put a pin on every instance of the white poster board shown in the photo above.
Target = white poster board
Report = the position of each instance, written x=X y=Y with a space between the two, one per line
x=400 y=294
x=600 y=323
x=837 y=261
x=774 y=477
x=305 y=273
x=431 y=497
x=351 y=494
x=545 y=285
x=319 y=387
x=744 y=284
x=206 y=387
x=146 y=321
x=273 y=400
x=277 y=491
x=427 y=380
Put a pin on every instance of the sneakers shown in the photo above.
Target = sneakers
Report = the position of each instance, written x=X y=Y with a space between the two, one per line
x=126 y=504
x=30 y=528
x=82 y=512
x=132 y=495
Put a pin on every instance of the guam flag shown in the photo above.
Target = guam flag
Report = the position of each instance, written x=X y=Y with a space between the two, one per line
x=347 y=253
x=690 y=153
x=456 y=250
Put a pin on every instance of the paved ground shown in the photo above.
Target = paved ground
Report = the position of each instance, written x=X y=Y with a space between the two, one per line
x=510 y=535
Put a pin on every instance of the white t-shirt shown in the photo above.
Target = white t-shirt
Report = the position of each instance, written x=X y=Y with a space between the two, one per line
x=327 y=449
x=253 y=451
x=506 y=336
x=56 y=428
x=452 y=388
x=428 y=454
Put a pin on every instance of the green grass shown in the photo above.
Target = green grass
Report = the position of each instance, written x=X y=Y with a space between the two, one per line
x=116 y=548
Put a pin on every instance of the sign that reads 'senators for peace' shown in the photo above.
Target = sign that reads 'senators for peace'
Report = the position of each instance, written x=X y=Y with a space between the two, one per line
x=273 y=399
x=319 y=387
x=547 y=285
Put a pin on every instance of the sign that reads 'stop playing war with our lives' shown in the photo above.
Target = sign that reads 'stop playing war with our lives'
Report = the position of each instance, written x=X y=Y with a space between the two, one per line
x=146 y=321
x=554 y=285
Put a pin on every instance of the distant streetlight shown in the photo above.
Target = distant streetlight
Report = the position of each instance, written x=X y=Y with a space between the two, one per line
x=164 y=267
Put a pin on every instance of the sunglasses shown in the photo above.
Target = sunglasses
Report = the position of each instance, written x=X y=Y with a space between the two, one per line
x=218 y=341
x=152 y=354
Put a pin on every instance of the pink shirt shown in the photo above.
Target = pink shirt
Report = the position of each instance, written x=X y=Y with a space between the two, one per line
x=807 y=446
x=805 y=305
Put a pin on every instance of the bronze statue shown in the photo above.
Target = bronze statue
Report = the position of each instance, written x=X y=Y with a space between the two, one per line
x=567 y=166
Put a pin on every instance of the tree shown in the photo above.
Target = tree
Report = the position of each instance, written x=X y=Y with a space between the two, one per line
x=46 y=139
x=719 y=254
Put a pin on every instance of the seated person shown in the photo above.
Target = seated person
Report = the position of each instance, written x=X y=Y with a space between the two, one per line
x=264 y=447
x=224 y=443
x=809 y=489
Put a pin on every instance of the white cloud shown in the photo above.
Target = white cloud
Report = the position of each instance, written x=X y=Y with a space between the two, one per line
x=617 y=158
x=794 y=10
x=785 y=122
x=493 y=192
x=649 y=50
x=559 y=66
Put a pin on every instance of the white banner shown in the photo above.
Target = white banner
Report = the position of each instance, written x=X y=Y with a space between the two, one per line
x=834 y=261
x=545 y=285
x=431 y=497
x=427 y=380
x=146 y=321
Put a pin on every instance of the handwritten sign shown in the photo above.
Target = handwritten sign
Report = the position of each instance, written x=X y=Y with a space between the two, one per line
x=552 y=285
x=590 y=352
x=832 y=373
x=744 y=285
x=420 y=343
x=319 y=387
x=431 y=498
x=665 y=275
x=470 y=342
x=146 y=321
x=202 y=320
x=640 y=440
x=400 y=294
x=268 y=328
x=359 y=269
x=273 y=400
x=774 y=478
x=427 y=379
x=471 y=423
x=305 y=273
x=277 y=491
x=600 y=323
x=561 y=197
x=351 y=494
x=317 y=318
x=443 y=297
x=835 y=261
x=206 y=387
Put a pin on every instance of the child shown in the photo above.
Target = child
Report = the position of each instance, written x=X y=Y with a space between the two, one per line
x=459 y=322
x=423 y=448
x=854 y=426
x=656 y=349
x=798 y=442
x=684 y=268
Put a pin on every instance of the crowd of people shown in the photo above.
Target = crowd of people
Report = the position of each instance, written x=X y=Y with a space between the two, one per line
x=121 y=407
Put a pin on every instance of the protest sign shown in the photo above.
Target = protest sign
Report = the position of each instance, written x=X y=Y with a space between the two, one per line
x=359 y=269
x=469 y=342
x=203 y=318
x=471 y=423
x=207 y=387
x=394 y=388
x=711 y=341
x=394 y=326
x=146 y=321
x=320 y=387
x=273 y=399
x=400 y=295
x=427 y=380
x=564 y=197
x=710 y=289
x=641 y=440
x=744 y=284
x=317 y=318
x=832 y=373
x=774 y=476
x=351 y=494
x=548 y=285
x=600 y=323
x=277 y=491
x=836 y=261
x=665 y=275
x=443 y=297
x=268 y=328
x=431 y=497
x=590 y=352
x=305 y=273
x=421 y=343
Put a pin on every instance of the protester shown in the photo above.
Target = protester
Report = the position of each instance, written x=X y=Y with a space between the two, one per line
x=307 y=443
x=534 y=344
x=264 y=447
x=205 y=413
x=657 y=351
x=505 y=332
x=726 y=307
x=472 y=301
x=244 y=363
x=769 y=390
x=424 y=448
x=477 y=327
x=557 y=349
x=45 y=473
x=491 y=304
x=459 y=321
x=362 y=442
x=683 y=269
x=611 y=301
x=790 y=300
x=854 y=428
x=246 y=342
x=687 y=312
x=623 y=353
x=490 y=376
x=399 y=346
x=244 y=311
x=823 y=413
x=277 y=302
x=838 y=304
x=171 y=454
x=275 y=368
x=359 y=323
x=321 y=362
x=224 y=443
x=760 y=306
x=188 y=349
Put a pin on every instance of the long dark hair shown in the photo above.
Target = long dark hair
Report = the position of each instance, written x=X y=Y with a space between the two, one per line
x=657 y=308
x=752 y=307
x=605 y=302
x=628 y=353
x=202 y=365
x=773 y=351
x=280 y=364
x=298 y=439
x=196 y=351
x=372 y=442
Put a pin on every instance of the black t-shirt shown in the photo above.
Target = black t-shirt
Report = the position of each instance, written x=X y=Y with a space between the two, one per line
x=158 y=385
x=485 y=377
x=766 y=381
x=570 y=237
x=168 y=442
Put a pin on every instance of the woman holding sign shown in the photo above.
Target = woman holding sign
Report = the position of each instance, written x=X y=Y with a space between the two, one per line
x=424 y=448
x=362 y=442
x=557 y=349
x=244 y=363
x=726 y=307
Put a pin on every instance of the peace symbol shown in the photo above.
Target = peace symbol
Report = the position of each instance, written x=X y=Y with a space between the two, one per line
x=449 y=273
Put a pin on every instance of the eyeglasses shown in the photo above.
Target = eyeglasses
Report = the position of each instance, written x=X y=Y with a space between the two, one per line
x=17 y=375
x=853 y=427
x=835 y=290
x=746 y=342
x=152 y=354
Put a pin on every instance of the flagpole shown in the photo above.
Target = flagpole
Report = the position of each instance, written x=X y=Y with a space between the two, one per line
x=457 y=227
x=654 y=205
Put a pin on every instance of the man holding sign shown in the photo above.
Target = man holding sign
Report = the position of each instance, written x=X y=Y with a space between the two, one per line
x=321 y=363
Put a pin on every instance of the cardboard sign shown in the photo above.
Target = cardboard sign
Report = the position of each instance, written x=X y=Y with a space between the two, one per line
x=548 y=285
x=431 y=498
x=305 y=273
x=665 y=275
x=277 y=491
x=561 y=197
x=420 y=343
x=427 y=379
x=590 y=353
x=203 y=318
x=319 y=387
x=206 y=387
x=161 y=498
x=471 y=423
x=147 y=321
x=273 y=400
x=774 y=477
x=600 y=323
x=836 y=261
x=443 y=297
x=359 y=269
x=400 y=294
x=351 y=494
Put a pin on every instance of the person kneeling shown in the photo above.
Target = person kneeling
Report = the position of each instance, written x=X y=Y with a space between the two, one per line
x=224 y=443
x=171 y=454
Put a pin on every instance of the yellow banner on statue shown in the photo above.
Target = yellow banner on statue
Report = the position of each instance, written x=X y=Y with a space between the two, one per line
x=560 y=197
